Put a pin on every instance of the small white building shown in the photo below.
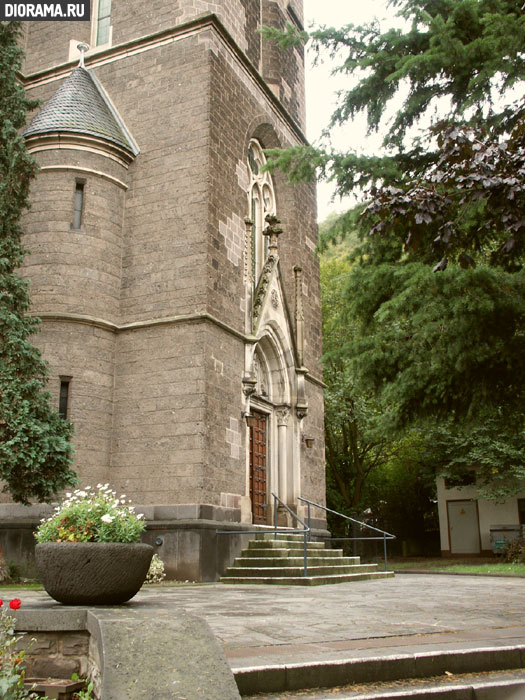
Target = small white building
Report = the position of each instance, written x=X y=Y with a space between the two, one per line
x=466 y=519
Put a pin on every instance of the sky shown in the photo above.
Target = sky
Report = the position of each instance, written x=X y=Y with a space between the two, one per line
x=321 y=88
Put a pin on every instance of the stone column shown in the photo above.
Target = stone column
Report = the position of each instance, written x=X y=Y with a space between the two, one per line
x=283 y=414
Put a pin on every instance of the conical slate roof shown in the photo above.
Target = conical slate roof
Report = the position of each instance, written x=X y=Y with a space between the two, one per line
x=80 y=106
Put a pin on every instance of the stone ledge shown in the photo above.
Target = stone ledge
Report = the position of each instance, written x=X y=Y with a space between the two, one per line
x=186 y=660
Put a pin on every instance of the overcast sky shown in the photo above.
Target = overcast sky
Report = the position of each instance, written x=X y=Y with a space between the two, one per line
x=321 y=87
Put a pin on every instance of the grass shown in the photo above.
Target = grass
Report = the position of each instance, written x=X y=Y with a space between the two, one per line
x=458 y=566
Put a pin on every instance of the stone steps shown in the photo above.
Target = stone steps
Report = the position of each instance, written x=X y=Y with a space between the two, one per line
x=319 y=570
x=490 y=686
x=307 y=580
x=285 y=544
x=274 y=552
x=487 y=671
x=297 y=561
x=280 y=561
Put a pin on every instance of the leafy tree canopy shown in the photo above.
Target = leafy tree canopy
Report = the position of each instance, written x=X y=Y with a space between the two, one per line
x=436 y=294
x=35 y=452
x=464 y=53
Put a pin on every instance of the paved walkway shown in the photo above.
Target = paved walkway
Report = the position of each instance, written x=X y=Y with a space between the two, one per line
x=262 y=624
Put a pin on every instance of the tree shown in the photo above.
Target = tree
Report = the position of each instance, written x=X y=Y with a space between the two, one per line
x=35 y=448
x=444 y=346
x=458 y=55
x=436 y=295
x=369 y=471
x=354 y=448
x=405 y=497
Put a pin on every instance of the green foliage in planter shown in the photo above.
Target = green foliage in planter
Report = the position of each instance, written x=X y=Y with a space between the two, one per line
x=35 y=449
x=92 y=516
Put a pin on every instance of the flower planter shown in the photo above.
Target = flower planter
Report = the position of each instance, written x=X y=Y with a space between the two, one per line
x=92 y=573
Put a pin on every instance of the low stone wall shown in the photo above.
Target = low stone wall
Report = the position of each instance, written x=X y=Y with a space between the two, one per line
x=130 y=652
x=58 y=644
x=55 y=654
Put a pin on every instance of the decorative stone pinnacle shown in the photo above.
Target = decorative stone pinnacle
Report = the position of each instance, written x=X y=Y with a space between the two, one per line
x=83 y=48
x=273 y=231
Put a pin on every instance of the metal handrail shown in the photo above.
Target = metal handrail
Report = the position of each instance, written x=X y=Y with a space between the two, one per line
x=385 y=535
x=287 y=530
x=306 y=532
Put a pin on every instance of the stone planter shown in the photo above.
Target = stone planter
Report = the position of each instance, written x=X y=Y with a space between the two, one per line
x=92 y=573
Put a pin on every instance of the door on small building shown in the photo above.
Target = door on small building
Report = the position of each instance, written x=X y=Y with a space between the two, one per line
x=258 y=451
x=463 y=525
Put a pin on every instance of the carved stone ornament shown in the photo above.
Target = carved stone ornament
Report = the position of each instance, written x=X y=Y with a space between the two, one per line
x=249 y=386
x=274 y=298
x=283 y=414
x=261 y=383
x=262 y=287
x=301 y=411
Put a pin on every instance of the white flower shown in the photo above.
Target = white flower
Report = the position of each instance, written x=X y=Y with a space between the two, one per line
x=107 y=518
x=140 y=516
x=81 y=494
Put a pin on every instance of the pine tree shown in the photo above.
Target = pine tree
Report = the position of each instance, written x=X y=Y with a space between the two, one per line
x=35 y=448
x=436 y=293
x=461 y=56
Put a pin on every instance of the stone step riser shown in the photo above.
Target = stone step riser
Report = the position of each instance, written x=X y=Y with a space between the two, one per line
x=306 y=580
x=280 y=536
x=258 y=562
x=298 y=571
x=291 y=554
x=284 y=544
x=390 y=668
x=463 y=691
x=488 y=691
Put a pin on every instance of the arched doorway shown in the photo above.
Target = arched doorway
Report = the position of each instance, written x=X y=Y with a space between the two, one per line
x=270 y=459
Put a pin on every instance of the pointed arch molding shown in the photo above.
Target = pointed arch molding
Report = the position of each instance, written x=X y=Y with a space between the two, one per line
x=276 y=341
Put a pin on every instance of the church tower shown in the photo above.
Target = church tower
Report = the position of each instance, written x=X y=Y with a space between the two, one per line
x=176 y=279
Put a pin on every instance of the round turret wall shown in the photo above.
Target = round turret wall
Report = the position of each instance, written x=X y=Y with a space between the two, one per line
x=75 y=258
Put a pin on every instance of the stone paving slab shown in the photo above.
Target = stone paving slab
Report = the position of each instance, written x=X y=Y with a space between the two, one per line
x=290 y=622
x=334 y=652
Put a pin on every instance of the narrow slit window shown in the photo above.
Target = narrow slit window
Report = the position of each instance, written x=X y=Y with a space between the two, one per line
x=63 y=402
x=78 y=207
x=103 y=22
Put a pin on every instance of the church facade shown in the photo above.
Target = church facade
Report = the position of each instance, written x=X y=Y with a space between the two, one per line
x=176 y=279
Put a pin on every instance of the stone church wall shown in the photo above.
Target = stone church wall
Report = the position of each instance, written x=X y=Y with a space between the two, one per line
x=150 y=295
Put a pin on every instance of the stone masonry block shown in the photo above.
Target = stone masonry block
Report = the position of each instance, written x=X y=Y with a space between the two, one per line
x=75 y=645
x=52 y=667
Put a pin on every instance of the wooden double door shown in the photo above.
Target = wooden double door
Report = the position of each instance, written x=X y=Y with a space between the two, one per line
x=258 y=466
